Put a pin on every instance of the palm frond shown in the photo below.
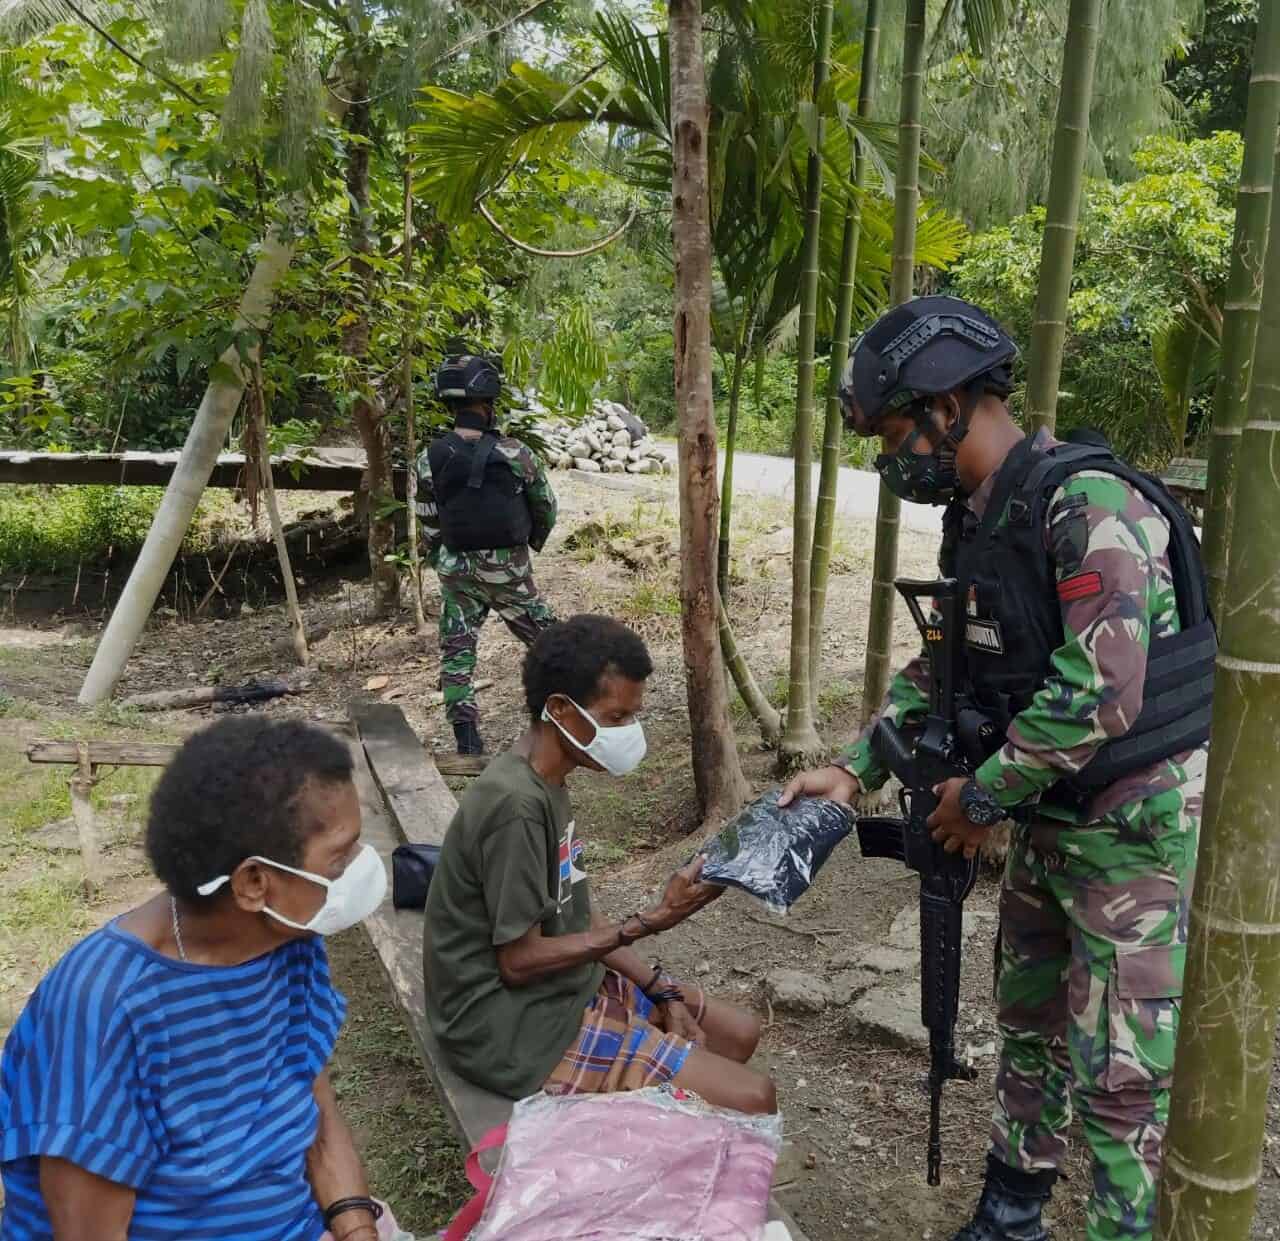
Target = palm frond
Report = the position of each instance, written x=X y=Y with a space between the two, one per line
x=981 y=22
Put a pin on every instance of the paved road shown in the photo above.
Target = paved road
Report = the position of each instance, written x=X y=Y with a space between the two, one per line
x=855 y=497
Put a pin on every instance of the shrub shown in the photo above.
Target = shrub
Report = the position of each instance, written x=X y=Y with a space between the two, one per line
x=53 y=529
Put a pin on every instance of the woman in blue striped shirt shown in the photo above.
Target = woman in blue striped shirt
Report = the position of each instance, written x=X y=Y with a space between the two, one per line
x=167 y=1078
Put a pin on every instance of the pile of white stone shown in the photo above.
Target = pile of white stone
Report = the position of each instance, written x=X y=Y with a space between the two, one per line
x=610 y=440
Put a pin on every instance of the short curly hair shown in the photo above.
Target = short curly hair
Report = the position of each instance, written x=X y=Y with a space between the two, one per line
x=572 y=656
x=232 y=790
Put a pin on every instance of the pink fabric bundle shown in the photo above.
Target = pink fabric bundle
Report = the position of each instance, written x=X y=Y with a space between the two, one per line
x=641 y=1166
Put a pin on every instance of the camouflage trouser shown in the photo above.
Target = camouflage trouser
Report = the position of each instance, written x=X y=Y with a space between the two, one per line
x=1094 y=924
x=471 y=583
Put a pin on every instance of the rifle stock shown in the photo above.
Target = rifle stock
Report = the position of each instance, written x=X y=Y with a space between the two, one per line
x=946 y=879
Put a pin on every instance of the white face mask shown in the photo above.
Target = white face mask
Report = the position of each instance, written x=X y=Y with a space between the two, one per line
x=618 y=750
x=350 y=898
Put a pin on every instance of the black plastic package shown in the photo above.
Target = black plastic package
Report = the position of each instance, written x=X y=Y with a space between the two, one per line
x=775 y=853
x=411 y=869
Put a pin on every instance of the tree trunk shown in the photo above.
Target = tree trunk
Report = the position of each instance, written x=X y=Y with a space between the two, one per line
x=800 y=740
x=204 y=441
x=762 y=710
x=1244 y=296
x=730 y=446
x=1213 y=1151
x=1058 y=250
x=829 y=478
x=262 y=456
x=410 y=430
x=717 y=771
x=906 y=207
x=367 y=409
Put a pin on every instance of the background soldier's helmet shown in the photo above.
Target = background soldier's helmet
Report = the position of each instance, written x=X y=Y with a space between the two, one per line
x=925 y=347
x=468 y=377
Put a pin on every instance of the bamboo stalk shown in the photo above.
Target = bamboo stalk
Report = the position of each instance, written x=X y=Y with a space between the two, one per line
x=1244 y=296
x=906 y=207
x=829 y=477
x=726 y=480
x=762 y=710
x=800 y=740
x=410 y=431
x=1226 y=1045
x=1066 y=180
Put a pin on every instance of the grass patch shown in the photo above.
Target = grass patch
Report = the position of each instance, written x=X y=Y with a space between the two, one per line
x=409 y=1151
x=650 y=600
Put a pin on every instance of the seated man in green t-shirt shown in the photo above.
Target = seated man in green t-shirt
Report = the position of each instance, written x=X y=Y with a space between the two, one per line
x=528 y=986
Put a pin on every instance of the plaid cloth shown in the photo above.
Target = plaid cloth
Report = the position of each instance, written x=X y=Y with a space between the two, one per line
x=618 y=1047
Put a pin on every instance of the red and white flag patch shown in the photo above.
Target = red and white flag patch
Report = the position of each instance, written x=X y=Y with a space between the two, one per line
x=1081 y=586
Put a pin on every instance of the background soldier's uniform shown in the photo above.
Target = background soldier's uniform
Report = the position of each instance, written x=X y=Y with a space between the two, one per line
x=1094 y=901
x=474 y=580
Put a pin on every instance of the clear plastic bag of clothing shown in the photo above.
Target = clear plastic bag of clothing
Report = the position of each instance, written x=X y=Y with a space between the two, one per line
x=645 y=1165
x=776 y=853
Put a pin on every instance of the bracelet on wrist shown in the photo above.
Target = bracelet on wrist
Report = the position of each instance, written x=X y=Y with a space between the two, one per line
x=653 y=981
x=357 y=1202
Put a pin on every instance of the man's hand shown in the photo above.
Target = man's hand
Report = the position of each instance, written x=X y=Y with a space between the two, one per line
x=949 y=824
x=833 y=783
x=685 y=895
x=675 y=1018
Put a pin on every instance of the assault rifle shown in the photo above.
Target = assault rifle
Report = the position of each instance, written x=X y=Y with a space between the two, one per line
x=944 y=747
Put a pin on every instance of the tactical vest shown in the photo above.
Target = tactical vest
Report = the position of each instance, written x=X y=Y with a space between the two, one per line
x=1013 y=616
x=481 y=500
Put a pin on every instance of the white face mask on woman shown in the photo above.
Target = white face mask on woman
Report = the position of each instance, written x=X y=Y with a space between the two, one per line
x=618 y=750
x=348 y=899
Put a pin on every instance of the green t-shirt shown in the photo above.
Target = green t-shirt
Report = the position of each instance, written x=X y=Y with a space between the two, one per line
x=509 y=861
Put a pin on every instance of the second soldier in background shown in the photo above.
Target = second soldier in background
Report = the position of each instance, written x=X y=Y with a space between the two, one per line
x=483 y=500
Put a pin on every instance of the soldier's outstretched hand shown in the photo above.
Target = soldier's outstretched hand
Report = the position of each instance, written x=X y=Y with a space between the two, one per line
x=834 y=783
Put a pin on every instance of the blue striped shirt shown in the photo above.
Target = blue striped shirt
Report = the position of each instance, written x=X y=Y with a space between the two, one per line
x=191 y=1084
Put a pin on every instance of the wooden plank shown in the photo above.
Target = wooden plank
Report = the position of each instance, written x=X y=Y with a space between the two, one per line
x=420 y=803
x=105 y=753
x=461 y=764
x=155 y=470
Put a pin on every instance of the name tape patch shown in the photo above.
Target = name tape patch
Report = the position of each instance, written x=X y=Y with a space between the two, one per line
x=984 y=634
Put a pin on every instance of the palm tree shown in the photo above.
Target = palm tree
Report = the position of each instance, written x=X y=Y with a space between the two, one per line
x=1226 y=1045
x=717 y=770
x=800 y=740
x=1244 y=296
x=1070 y=145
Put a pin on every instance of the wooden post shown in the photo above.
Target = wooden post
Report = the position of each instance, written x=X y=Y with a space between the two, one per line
x=82 y=812
x=258 y=412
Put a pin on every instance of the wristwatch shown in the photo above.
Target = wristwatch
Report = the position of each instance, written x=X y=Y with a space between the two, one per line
x=980 y=808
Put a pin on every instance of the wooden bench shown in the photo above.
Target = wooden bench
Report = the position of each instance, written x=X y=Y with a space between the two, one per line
x=404 y=798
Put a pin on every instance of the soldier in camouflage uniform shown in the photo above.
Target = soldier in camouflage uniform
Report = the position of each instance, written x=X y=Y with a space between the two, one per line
x=483 y=501
x=1084 y=591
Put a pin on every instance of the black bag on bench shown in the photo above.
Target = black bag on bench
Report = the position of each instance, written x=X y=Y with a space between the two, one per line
x=411 y=869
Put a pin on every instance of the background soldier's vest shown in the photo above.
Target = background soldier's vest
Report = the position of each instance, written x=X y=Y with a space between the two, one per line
x=482 y=502
x=1013 y=620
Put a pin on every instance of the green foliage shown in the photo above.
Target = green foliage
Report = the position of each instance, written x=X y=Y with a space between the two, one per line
x=1210 y=76
x=54 y=529
x=1146 y=304
x=993 y=94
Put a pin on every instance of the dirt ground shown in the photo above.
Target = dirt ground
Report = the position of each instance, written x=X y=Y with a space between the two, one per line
x=856 y=1113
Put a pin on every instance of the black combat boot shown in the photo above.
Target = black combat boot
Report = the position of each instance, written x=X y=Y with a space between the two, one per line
x=1010 y=1207
x=469 y=739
